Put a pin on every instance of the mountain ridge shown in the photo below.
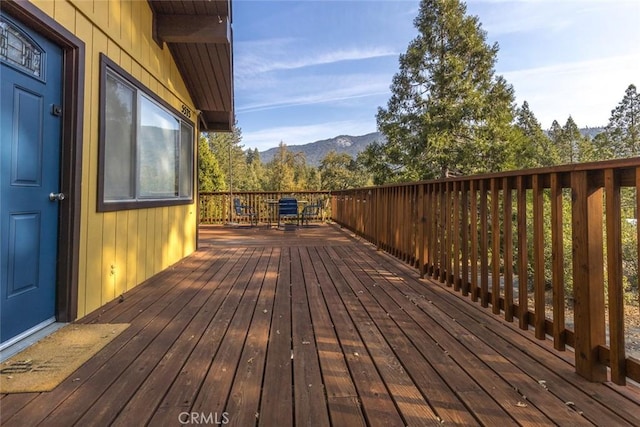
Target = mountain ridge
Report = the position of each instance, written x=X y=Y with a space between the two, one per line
x=315 y=151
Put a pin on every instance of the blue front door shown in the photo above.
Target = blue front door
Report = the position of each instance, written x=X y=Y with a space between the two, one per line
x=30 y=136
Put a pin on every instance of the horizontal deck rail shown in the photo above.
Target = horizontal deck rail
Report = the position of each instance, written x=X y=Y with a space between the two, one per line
x=555 y=249
x=215 y=206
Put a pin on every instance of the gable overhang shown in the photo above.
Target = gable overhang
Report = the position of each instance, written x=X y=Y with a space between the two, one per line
x=199 y=35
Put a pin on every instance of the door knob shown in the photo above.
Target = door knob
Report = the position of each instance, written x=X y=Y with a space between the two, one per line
x=56 y=196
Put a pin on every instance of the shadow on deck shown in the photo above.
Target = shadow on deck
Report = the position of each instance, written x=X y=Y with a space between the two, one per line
x=314 y=327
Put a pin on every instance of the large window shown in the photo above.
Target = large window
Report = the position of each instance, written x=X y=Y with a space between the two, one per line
x=146 y=147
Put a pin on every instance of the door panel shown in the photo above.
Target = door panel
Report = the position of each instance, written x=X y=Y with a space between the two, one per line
x=26 y=141
x=30 y=136
x=24 y=240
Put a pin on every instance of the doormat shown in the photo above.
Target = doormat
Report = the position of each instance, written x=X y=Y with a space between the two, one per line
x=48 y=362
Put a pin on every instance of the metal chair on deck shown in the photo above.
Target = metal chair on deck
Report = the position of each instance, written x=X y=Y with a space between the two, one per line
x=288 y=208
x=312 y=210
x=245 y=211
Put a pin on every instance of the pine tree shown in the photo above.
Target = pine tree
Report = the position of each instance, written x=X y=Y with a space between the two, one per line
x=229 y=152
x=448 y=112
x=571 y=139
x=279 y=171
x=341 y=171
x=568 y=141
x=531 y=147
x=623 y=129
x=210 y=177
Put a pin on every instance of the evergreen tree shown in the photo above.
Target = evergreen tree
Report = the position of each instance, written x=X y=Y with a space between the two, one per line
x=531 y=146
x=227 y=149
x=568 y=141
x=623 y=129
x=555 y=134
x=341 y=171
x=379 y=160
x=602 y=147
x=279 y=174
x=255 y=169
x=210 y=177
x=572 y=141
x=448 y=111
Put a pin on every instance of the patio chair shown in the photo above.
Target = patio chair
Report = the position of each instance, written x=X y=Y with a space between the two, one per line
x=245 y=211
x=288 y=208
x=311 y=210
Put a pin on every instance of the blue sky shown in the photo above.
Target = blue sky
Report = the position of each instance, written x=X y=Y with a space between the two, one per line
x=311 y=70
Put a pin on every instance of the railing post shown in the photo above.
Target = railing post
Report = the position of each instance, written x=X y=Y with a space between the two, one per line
x=588 y=277
x=421 y=231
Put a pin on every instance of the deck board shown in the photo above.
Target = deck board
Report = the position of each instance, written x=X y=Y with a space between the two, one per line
x=276 y=400
x=536 y=356
x=343 y=402
x=314 y=327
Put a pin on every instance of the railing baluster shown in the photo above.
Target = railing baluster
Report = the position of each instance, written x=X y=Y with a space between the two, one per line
x=456 y=236
x=422 y=230
x=538 y=257
x=465 y=239
x=484 y=245
x=523 y=260
x=474 y=241
x=508 y=249
x=557 y=261
x=434 y=230
x=442 y=233
x=637 y=171
x=614 y=276
x=495 y=247
x=449 y=232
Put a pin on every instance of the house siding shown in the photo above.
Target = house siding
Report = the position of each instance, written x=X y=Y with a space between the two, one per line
x=119 y=250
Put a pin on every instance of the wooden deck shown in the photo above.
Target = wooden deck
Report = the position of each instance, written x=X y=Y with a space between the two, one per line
x=314 y=328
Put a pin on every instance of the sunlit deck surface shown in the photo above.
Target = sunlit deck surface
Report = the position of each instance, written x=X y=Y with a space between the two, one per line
x=314 y=327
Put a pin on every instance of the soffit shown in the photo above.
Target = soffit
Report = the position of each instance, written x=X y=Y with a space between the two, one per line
x=199 y=35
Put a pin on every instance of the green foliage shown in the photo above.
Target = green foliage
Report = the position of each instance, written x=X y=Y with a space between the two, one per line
x=288 y=171
x=232 y=159
x=623 y=129
x=568 y=141
x=341 y=171
x=210 y=177
x=530 y=147
x=448 y=112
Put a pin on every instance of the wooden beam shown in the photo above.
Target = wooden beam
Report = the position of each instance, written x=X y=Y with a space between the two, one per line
x=193 y=28
x=588 y=276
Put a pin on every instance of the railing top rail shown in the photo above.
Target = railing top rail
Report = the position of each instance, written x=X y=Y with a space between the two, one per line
x=222 y=193
x=620 y=164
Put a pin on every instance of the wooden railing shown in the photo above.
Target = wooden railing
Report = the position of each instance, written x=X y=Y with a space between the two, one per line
x=214 y=207
x=543 y=247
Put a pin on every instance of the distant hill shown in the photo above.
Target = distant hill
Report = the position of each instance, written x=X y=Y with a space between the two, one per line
x=591 y=132
x=314 y=152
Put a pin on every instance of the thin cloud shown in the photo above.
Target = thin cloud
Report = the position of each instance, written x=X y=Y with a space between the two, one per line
x=313 y=91
x=561 y=90
x=254 y=58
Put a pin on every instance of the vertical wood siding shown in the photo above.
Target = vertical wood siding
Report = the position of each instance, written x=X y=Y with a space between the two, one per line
x=119 y=250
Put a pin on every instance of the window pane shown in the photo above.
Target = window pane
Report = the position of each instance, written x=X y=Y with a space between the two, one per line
x=186 y=160
x=158 y=151
x=118 y=144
